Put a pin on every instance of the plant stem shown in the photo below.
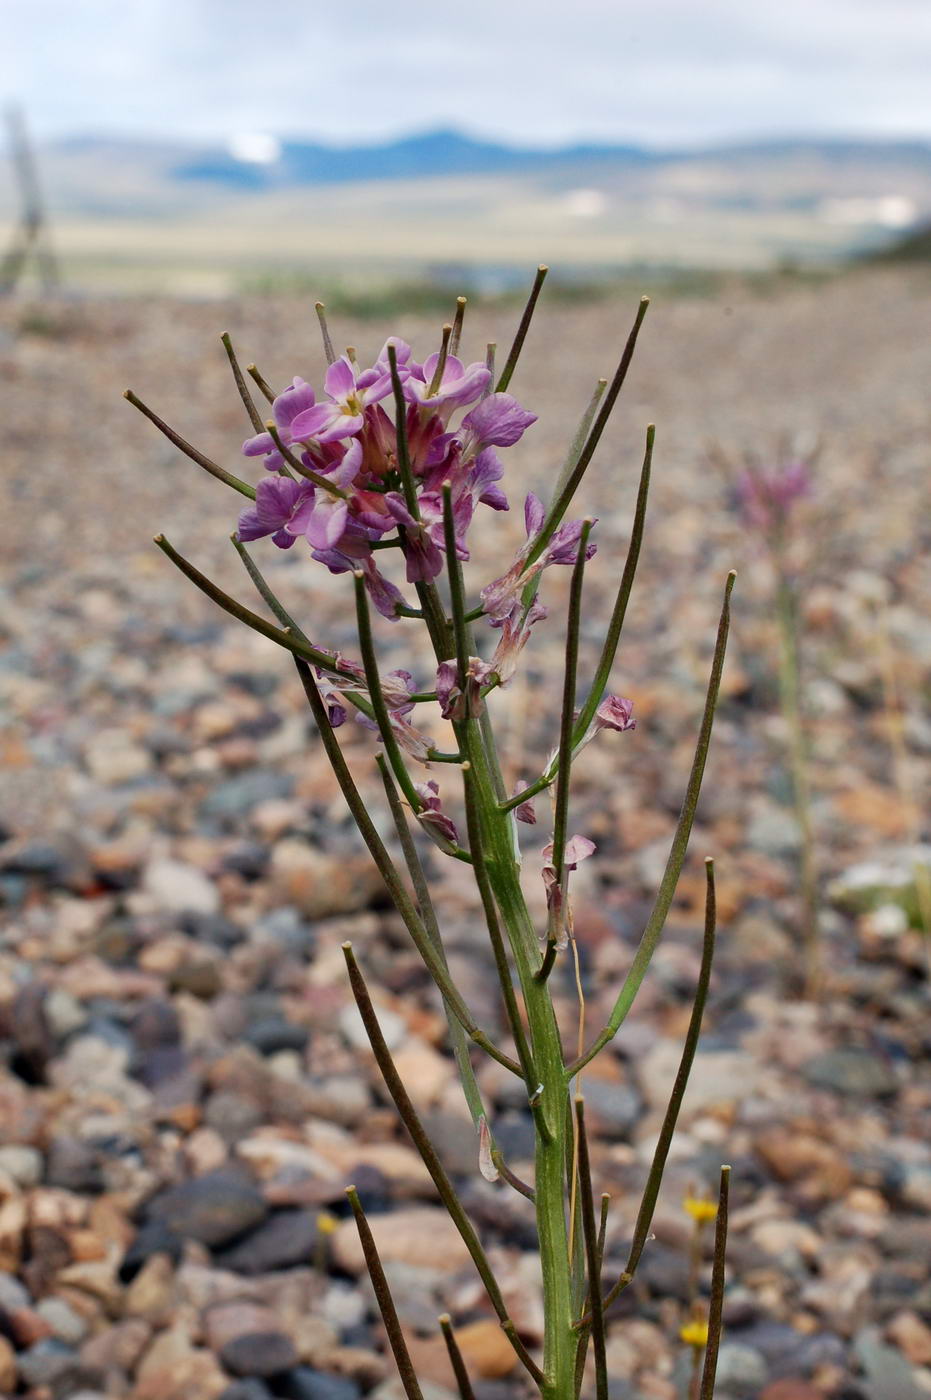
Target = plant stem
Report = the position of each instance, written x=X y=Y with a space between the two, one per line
x=790 y=701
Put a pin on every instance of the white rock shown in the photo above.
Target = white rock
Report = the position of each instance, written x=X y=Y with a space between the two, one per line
x=181 y=888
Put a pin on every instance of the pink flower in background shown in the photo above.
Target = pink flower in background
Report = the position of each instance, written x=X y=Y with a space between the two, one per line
x=766 y=498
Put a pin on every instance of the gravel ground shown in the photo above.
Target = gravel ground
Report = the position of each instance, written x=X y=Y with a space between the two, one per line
x=184 y=1091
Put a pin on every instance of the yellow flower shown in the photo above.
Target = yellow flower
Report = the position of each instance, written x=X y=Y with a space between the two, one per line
x=326 y=1223
x=694 y=1334
x=700 y=1210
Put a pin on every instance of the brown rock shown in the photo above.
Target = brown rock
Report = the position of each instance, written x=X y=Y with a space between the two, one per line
x=424 y=1237
x=195 y=1372
x=486 y=1350
x=789 y=1388
x=794 y=1155
x=911 y=1336
x=28 y=1327
x=118 y=1348
x=98 y=1278
x=7 y=1367
x=319 y=884
x=152 y=1293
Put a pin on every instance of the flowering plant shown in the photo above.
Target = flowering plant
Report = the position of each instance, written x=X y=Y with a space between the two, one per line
x=401 y=456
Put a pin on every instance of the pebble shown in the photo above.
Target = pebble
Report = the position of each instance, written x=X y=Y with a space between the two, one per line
x=7 y=1367
x=22 y=1164
x=303 y=1383
x=853 y=1071
x=213 y=1209
x=249 y=1341
x=286 y=1240
x=177 y=887
x=420 y=1235
x=741 y=1370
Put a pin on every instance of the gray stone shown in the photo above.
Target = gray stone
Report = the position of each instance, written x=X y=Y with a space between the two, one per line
x=286 y=1240
x=214 y=1209
x=249 y=1389
x=303 y=1383
x=13 y=1295
x=274 y=1033
x=615 y=1108
x=851 y=1070
x=67 y=1325
x=73 y=1165
x=42 y=1363
x=888 y=1375
x=235 y=796
x=741 y=1370
x=258 y=1354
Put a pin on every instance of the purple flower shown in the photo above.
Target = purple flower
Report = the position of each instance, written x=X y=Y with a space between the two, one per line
x=501 y=597
x=766 y=498
x=524 y=812
x=515 y=633
x=577 y=849
x=277 y=500
x=438 y=826
x=351 y=393
x=457 y=387
x=454 y=704
x=322 y=517
x=290 y=402
x=615 y=712
x=498 y=421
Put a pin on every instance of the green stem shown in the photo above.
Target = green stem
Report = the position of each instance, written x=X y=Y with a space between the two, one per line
x=790 y=700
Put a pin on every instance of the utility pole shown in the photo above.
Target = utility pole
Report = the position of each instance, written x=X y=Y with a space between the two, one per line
x=30 y=233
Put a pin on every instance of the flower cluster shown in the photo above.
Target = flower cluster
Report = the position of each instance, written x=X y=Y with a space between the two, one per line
x=353 y=496
x=766 y=498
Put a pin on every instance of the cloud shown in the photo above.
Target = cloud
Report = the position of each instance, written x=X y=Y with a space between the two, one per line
x=666 y=72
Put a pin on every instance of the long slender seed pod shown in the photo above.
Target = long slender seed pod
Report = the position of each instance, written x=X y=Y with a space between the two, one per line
x=512 y=1179
x=379 y=707
x=390 y=875
x=325 y=332
x=663 y=1142
x=265 y=592
x=523 y=327
x=264 y=387
x=619 y=611
x=293 y=461
x=194 y=453
x=590 y=1231
x=284 y=639
x=456 y=588
x=716 y=1305
x=455 y=1357
x=562 y=502
x=420 y=1139
x=437 y=377
x=680 y=840
x=580 y=437
x=612 y=638
x=408 y=485
x=457 y=1035
x=255 y=418
x=389 y=1313
x=461 y=303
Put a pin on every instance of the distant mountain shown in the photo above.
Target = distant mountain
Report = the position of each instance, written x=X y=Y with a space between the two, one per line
x=449 y=152
x=421 y=156
x=446 y=197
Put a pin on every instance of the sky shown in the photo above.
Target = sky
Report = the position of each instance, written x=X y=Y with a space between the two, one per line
x=656 y=72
